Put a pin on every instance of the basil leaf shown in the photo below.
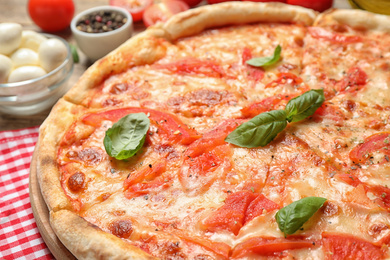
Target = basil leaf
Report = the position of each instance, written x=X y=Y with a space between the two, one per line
x=127 y=136
x=293 y=216
x=258 y=131
x=304 y=105
x=74 y=52
x=266 y=61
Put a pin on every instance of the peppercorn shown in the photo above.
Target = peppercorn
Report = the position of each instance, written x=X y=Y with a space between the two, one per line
x=101 y=21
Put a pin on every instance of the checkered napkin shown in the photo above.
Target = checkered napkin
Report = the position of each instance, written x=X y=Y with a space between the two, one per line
x=19 y=235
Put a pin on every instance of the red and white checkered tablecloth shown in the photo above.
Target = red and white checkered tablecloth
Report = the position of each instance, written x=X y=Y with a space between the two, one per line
x=19 y=235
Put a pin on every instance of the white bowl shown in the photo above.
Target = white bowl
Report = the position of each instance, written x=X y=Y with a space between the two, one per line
x=97 y=45
x=36 y=95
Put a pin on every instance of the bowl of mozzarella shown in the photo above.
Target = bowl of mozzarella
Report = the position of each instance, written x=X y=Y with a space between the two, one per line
x=34 y=69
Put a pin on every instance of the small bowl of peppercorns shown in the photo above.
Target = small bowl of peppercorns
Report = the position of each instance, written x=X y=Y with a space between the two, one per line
x=101 y=29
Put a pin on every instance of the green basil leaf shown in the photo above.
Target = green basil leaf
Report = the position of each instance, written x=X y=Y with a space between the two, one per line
x=74 y=52
x=293 y=216
x=258 y=131
x=266 y=61
x=304 y=105
x=127 y=136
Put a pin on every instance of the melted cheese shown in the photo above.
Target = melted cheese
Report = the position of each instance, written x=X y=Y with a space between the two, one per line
x=204 y=80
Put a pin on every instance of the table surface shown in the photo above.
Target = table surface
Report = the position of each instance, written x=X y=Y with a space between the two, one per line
x=16 y=11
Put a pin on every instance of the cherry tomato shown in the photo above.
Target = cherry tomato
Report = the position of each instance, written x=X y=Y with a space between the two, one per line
x=51 y=15
x=192 y=3
x=163 y=11
x=318 y=5
x=282 y=1
x=216 y=1
x=135 y=7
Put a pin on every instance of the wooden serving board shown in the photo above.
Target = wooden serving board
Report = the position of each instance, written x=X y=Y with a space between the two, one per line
x=41 y=215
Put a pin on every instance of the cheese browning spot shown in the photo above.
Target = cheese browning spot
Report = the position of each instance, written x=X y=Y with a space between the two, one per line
x=76 y=182
x=121 y=228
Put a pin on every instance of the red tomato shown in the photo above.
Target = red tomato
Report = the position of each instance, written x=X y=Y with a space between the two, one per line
x=354 y=81
x=51 y=15
x=282 y=1
x=135 y=7
x=321 y=33
x=231 y=215
x=253 y=73
x=257 y=206
x=318 y=5
x=163 y=11
x=194 y=66
x=268 y=246
x=343 y=246
x=172 y=129
x=192 y=2
x=372 y=144
x=216 y=1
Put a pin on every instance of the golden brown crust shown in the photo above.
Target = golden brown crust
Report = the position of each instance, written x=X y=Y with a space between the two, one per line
x=139 y=50
x=355 y=18
x=51 y=132
x=81 y=238
x=86 y=241
x=145 y=48
x=208 y=16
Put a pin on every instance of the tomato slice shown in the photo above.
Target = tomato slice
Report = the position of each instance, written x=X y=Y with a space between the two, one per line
x=379 y=142
x=145 y=174
x=213 y=138
x=221 y=249
x=170 y=127
x=143 y=188
x=354 y=81
x=269 y=246
x=348 y=178
x=253 y=73
x=231 y=215
x=257 y=206
x=163 y=11
x=381 y=193
x=321 y=33
x=198 y=173
x=193 y=66
x=267 y=104
x=329 y=111
x=135 y=7
x=342 y=246
x=285 y=78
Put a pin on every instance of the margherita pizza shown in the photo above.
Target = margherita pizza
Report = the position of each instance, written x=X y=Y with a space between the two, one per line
x=233 y=131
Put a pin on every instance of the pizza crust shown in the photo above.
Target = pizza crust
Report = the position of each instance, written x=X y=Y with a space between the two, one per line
x=355 y=18
x=232 y=13
x=87 y=241
x=146 y=47
x=51 y=131
x=79 y=236
x=83 y=240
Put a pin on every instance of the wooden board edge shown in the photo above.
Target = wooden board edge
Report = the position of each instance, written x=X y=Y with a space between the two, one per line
x=41 y=214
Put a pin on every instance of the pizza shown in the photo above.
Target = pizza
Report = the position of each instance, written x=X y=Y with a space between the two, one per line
x=233 y=131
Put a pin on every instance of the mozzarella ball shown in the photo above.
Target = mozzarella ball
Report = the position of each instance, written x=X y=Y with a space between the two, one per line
x=5 y=68
x=24 y=56
x=52 y=53
x=31 y=40
x=10 y=37
x=26 y=73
